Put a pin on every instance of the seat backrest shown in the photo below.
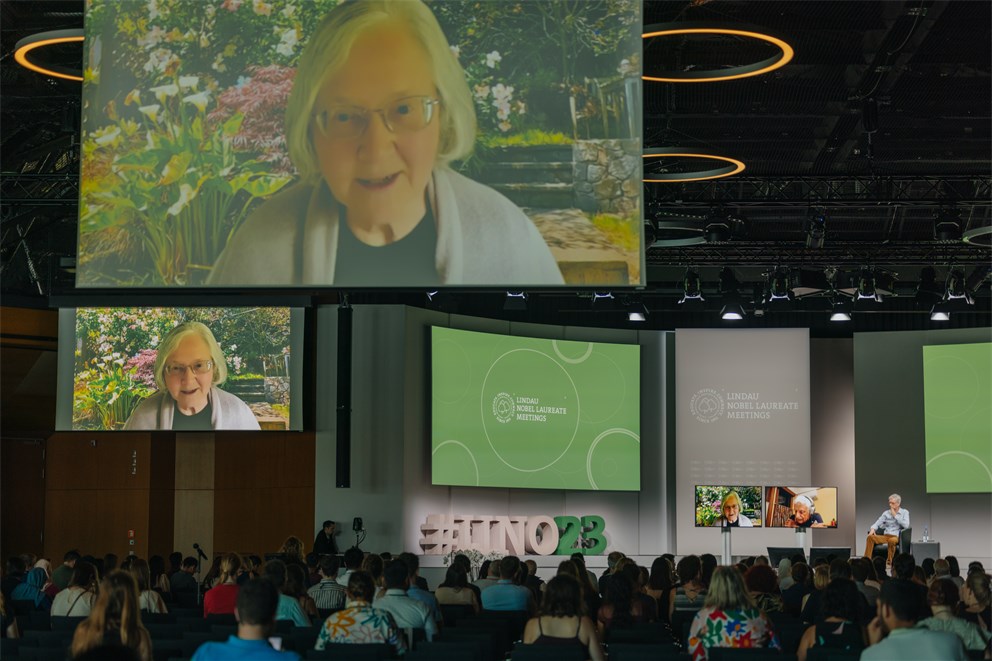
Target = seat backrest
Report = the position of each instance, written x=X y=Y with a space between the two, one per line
x=827 y=654
x=347 y=652
x=906 y=540
x=63 y=623
x=747 y=654
x=452 y=613
x=644 y=652
x=448 y=651
x=523 y=652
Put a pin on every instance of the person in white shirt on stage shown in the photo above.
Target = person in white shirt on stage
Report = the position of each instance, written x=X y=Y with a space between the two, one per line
x=892 y=521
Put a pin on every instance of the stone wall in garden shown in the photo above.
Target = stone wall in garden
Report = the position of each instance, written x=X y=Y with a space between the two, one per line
x=277 y=389
x=607 y=175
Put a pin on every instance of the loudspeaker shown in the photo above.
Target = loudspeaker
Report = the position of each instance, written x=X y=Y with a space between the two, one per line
x=356 y=524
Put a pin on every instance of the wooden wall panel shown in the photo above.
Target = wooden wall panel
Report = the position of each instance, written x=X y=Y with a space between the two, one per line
x=194 y=521
x=260 y=520
x=22 y=509
x=96 y=521
x=99 y=460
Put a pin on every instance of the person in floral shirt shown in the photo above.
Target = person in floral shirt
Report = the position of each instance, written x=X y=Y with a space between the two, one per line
x=360 y=623
x=729 y=618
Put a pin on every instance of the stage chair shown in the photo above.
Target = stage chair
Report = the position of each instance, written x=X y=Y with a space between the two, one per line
x=301 y=639
x=648 y=633
x=680 y=625
x=904 y=546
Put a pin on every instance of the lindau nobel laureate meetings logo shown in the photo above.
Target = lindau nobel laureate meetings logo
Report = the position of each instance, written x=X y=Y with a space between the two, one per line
x=503 y=407
x=707 y=405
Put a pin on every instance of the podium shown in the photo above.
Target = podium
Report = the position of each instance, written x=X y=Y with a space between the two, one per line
x=923 y=550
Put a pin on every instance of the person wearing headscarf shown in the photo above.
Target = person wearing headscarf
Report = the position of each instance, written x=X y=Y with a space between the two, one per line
x=785 y=574
x=32 y=589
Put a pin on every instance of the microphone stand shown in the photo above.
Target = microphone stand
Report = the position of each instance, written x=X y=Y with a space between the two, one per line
x=726 y=531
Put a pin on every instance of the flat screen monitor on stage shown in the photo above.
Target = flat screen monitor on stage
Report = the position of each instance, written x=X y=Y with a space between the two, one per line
x=180 y=369
x=777 y=553
x=534 y=413
x=801 y=507
x=828 y=553
x=717 y=506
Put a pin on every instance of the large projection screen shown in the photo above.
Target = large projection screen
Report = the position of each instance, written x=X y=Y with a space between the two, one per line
x=742 y=417
x=112 y=374
x=261 y=143
x=957 y=393
x=534 y=413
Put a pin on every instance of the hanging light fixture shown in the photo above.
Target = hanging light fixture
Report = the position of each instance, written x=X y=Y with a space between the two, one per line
x=699 y=75
x=719 y=166
x=41 y=40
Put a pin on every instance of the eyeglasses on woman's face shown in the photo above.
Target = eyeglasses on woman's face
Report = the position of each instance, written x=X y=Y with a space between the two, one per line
x=407 y=115
x=199 y=367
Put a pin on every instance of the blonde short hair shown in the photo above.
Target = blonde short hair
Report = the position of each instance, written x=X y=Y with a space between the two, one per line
x=172 y=342
x=732 y=496
x=327 y=51
x=727 y=590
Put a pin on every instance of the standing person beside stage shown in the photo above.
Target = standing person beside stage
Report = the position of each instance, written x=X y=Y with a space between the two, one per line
x=892 y=522
x=325 y=544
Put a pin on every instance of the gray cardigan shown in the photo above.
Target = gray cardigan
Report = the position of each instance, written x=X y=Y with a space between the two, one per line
x=482 y=239
x=156 y=411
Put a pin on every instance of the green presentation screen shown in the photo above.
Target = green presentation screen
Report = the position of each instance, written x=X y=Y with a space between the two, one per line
x=534 y=413
x=957 y=385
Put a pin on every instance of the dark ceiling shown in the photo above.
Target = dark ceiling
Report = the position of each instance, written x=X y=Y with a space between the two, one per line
x=920 y=71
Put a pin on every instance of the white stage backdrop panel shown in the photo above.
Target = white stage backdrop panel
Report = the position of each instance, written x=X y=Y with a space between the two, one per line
x=742 y=417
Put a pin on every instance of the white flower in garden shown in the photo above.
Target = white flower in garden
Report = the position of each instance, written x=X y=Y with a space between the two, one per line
x=107 y=135
x=261 y=7
x=503 y=111
x=153 y=340
x=150 y=111
x=492 y=59
x=456 y=51
x=186 y=193
x=504 y=126
x=502 y=93
x=289 y=11
x=200 y=100
x=188 y=82
x=481 y=92
x=288 y=41
x=521 y=108
x=151 y=38
x=162 y=92
x=158 y=60
x=153 y=12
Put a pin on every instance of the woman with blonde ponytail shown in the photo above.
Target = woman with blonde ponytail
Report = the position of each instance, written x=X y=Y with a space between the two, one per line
x=115 y=619
x=221 y=598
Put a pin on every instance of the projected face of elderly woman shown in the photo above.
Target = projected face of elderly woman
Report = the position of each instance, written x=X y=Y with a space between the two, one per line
x=376 y=133
x=190 y=366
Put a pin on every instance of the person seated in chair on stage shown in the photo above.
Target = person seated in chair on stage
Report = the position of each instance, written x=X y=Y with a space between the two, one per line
x=892 y=521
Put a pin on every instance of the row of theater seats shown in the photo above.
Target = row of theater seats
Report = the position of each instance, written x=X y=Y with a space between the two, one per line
x=489 y=636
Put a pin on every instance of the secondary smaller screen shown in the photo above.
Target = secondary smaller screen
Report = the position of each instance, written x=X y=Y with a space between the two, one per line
x=733 y=506
x=182 y=369
x=801 y=507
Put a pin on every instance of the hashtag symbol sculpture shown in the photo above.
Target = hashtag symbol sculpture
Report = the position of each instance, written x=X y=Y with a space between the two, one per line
x=438 y=535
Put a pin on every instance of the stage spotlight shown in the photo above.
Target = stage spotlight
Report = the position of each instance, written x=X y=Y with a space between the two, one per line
x=940 y=311
x=692 y=288
x=732 y=309
x=957 y=289
x=866 y=287
x=928 y=292
x=841 y=310
x=515 y=300
x=637 y=312
x=815 y=226
x=778 y=293
x=947 y=225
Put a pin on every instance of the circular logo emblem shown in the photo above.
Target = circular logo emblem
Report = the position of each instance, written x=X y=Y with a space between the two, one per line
x=707 y=405
x=503 y=407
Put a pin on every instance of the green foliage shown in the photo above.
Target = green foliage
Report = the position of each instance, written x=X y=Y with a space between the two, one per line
x=528 y=138
x=622 y=231
x=172 y=181
x=105 y=397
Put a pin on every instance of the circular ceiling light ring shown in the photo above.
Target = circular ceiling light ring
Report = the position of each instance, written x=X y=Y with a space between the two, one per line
x=41 y=40
x=980 y=236
x=772 y=63
x=733 y=165
x=678 y=234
